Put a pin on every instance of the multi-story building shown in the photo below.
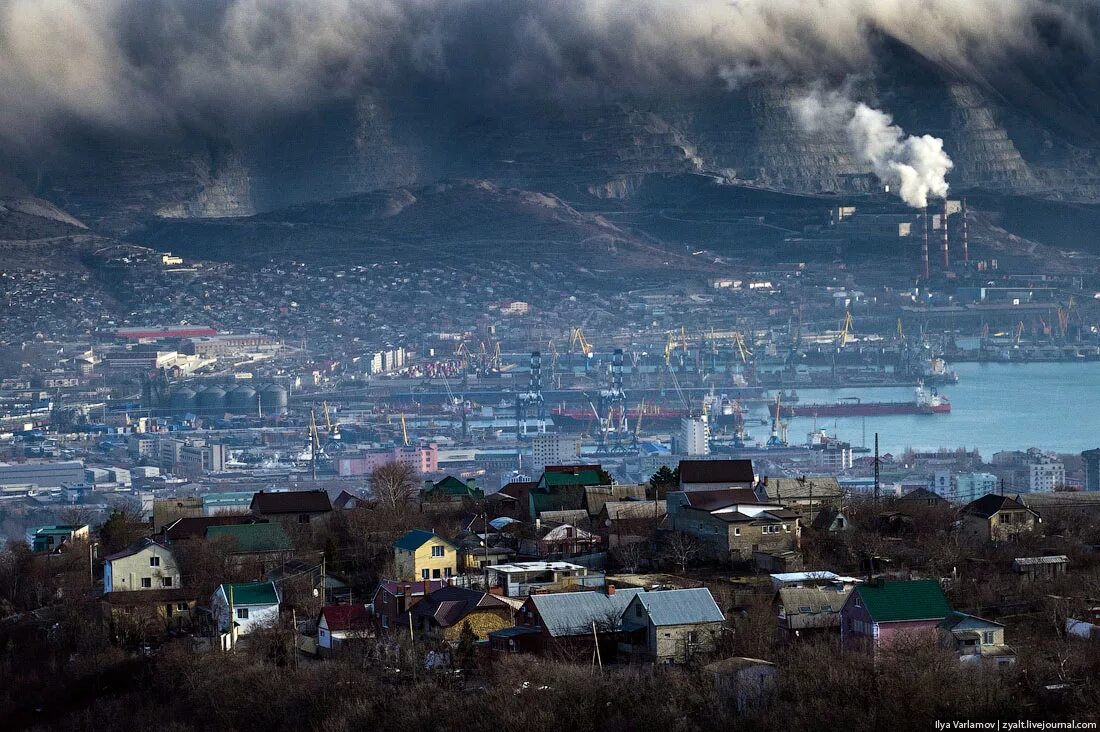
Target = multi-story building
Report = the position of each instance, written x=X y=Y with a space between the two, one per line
x=1091 y=460
x=694 y=436
x=1045 y=474
x=424 y=459
x=553 y=449
x=963 y=487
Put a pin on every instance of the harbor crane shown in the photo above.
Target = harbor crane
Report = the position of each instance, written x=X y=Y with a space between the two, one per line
x=778 y=438
x=846 y=332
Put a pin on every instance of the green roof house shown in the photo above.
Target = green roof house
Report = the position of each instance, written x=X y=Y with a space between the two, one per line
x=882 y=611
x=253 y=538
x=249 y=605
x=451 y=489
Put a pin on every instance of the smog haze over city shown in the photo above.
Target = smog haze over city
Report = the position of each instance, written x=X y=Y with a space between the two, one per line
x=598 y=364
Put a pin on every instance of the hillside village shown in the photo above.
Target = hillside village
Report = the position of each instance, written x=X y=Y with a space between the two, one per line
x=709 y=577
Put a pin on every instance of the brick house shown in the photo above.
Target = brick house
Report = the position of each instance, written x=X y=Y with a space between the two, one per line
x=443 y=613
x=880 y=612
x=735 y=532
x=300 y=507
x=393 y=599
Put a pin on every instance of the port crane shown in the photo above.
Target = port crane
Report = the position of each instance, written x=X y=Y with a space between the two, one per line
x=845 y=332
x=778 y=436
x=576 y=338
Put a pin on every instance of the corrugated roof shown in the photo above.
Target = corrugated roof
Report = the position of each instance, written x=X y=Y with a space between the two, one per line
x=581 y=477
x=572 y=613
x=253 y=537
x=798 y=488
x=896 y=600
x=416 y=539
x=681 y=607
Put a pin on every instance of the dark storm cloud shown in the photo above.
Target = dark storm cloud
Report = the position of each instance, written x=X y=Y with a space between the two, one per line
x=148 y=64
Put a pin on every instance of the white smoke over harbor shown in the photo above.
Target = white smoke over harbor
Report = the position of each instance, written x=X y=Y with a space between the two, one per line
x=914 y=167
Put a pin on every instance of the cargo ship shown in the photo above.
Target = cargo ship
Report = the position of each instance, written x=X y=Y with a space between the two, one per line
x=925 y=401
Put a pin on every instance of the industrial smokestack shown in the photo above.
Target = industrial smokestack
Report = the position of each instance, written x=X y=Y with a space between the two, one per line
x=966 y=235
x=924 y=247
x=946 y=252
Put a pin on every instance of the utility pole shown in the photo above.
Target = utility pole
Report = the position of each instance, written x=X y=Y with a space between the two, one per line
x=877 y=469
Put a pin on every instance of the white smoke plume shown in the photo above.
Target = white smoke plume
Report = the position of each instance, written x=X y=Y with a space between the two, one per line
x=914 y=167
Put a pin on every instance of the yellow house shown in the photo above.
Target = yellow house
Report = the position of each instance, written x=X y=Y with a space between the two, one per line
x=421 y=555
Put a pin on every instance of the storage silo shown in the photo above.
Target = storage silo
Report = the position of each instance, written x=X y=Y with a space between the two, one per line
x=241 y=400
x=181 y=402
x=211 y=400
x=273 y=399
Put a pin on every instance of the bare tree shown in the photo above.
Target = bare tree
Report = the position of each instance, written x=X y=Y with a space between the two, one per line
x=680 y=549
x=394 y=485
x=631 y=555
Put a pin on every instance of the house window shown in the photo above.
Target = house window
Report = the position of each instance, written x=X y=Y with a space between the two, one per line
x=181 y=607
x=435 y=574
x=168 y=610
x=786 y=528
x=737 y=532
x=154 y=561
x=806 y=610
x=165 y=581
x=147 y=582
x=987 y=637
x=385 y=622
x=446 y=571
x=424 y=574
x=437 y=551
x=242 y=613
x=858 y=602
x=303 y=518
x=638 y=611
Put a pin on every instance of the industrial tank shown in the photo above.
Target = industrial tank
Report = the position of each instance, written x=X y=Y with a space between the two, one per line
x=273 y=399
x=182 y=401
x=211 y=400
x=241 y=400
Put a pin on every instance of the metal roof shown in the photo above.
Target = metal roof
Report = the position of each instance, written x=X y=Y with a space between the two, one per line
x=681 y=607
x=572 y=613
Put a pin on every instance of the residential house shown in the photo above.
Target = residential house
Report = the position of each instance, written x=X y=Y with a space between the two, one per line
x=451 y=490
x=423 y=554
x=513 y=500
x=806 y=494
x=997 y=518
x=301 y=507
x=146 y=565
x=672 y=626
x=596 y=496
x=810 y=611
x=559 y=542
x=976 y=640
x=477 y=551
x=924 y=497
x=764 y=534
x=1034 y=568
x=443 y=613
x=148 y=613
x=567 y=624
x=563 y=488
x=256 y=547
x=392 y=600
x=708 y=500
x=524 y=578
x=746 y=683
x=880 y=612
x=347 y=501
x=831 y=519
x=189 y=528
x=626 y=522
x=55 y=537
x=707 y=475
x=339 y=625
x=251 y=606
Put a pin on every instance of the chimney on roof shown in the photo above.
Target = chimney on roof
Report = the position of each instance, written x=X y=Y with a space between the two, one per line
x=924 y=247
x=427 y=587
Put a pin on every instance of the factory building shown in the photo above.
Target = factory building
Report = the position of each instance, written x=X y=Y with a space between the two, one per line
x=41 y=475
